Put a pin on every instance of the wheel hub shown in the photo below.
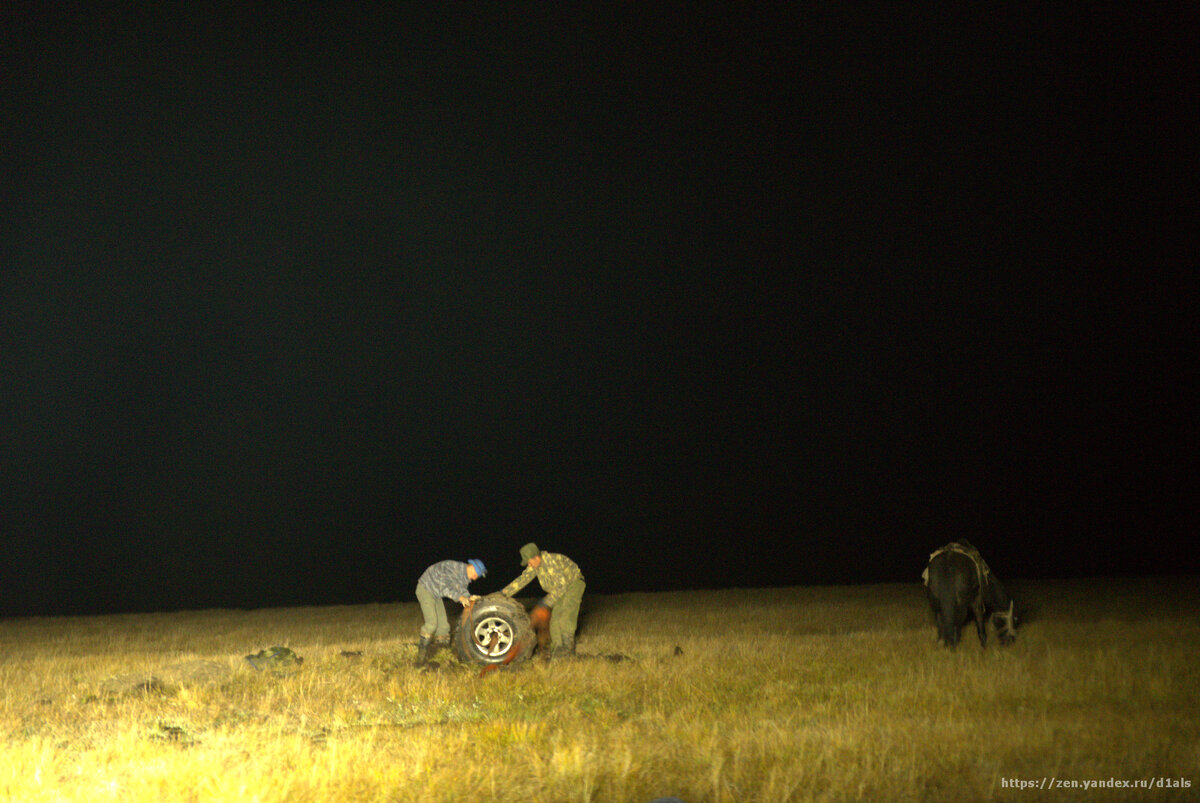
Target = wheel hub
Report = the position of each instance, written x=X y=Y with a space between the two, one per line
x=493 y=636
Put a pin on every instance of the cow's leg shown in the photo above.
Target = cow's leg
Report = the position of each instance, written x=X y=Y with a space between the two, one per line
x=980 y=622
x=936 y=609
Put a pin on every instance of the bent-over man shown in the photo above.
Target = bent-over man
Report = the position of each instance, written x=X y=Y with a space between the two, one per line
x=563 y=583
x=446 y=579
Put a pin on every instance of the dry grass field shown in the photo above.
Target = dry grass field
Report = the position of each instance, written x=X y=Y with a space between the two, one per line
x=809 y=693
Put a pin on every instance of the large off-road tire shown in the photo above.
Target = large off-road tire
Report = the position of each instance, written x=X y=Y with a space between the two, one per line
x=495 y=631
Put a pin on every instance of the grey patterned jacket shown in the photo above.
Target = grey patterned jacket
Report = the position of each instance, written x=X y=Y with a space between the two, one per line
x=446 y=579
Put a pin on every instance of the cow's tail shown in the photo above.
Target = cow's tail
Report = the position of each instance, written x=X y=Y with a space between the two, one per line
x=943 y=593
x=948 y=625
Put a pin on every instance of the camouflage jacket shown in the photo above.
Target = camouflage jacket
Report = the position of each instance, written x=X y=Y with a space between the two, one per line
x=446 y=579
x=554 y=575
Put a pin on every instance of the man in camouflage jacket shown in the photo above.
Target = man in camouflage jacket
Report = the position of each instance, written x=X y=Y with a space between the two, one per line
x=563 y=583
x=447 y=579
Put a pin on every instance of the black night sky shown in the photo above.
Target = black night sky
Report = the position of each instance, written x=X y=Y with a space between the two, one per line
x=297 y=302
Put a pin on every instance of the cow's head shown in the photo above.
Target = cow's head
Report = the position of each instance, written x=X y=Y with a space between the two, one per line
x=1005 y=623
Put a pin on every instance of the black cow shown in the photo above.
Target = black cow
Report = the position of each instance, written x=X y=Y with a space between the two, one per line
x=960 y=585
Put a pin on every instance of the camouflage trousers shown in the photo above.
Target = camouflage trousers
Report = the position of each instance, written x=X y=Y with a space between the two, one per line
x=565 y=615
x=437 y=624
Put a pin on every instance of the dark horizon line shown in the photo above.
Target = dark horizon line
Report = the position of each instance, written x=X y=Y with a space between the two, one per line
x=1015 y=582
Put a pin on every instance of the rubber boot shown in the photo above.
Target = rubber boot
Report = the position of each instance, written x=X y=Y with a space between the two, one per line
x=440 y=643
x=423 y=650
x=564 y=650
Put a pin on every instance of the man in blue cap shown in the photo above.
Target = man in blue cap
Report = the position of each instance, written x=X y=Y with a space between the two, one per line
x=447 y=579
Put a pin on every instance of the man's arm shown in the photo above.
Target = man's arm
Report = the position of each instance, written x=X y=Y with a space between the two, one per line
x=522 y=580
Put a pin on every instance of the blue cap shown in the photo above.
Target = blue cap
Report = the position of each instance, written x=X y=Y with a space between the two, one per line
x=480 y=569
